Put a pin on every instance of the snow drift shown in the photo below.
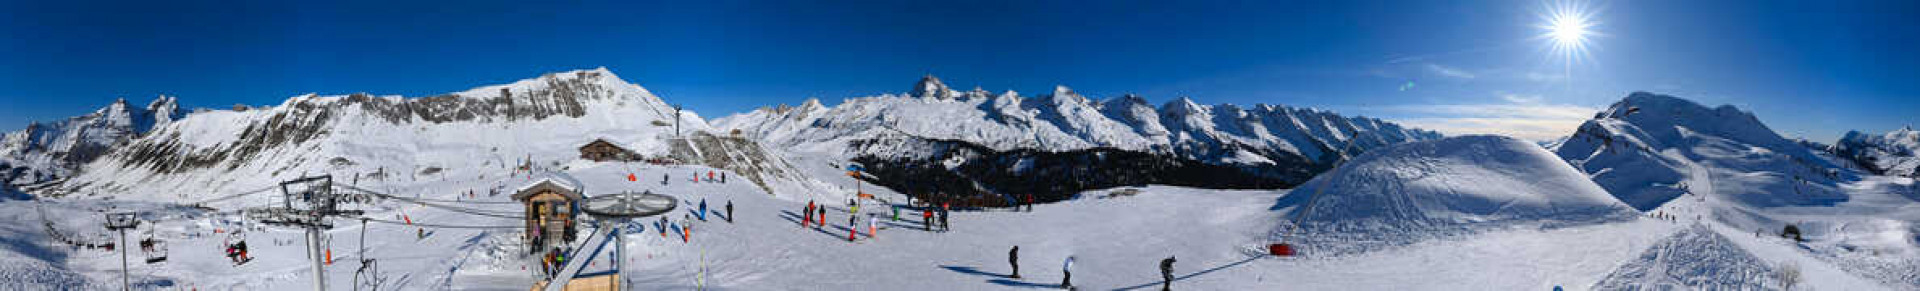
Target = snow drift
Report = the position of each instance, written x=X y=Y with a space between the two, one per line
x=1409 y=192
x=1696 y=258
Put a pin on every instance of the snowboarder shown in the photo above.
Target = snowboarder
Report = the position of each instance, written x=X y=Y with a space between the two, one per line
x=1013 y=259
x=1066 y=274
x=1166 y=273
x=729 y=210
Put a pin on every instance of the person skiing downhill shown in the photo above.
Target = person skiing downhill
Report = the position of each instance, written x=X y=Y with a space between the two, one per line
x=1166 y=274
x=729 y=210
x=1066 y=274
x=1013 y=259
x=823 y=217
x=808 y=213
x=873 y=225
x=703 y=209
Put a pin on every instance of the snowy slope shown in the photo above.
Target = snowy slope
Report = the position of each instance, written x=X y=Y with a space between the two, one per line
x=1895 y=153
x=537 y=122
x=51 y=151
x=1647 y=148
x=1415 y=191
x=1674 y=158
x=1117 y=241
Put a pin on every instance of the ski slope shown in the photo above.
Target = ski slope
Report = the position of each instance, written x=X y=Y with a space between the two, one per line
x=1216 y=235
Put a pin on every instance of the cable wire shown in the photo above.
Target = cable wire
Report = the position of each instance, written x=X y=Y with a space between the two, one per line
x=441 y=225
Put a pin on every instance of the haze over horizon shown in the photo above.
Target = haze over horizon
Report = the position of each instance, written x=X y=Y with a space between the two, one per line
x=1812 y=70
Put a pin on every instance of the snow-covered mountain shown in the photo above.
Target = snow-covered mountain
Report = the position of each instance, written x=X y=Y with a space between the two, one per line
x=535 y=123
x=1895 y=153
x=934 y=129
x=1453 y=186
x=1649 y=148
x=44 y=152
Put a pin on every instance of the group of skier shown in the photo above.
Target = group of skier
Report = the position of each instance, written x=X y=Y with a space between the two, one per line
x=1066 y=270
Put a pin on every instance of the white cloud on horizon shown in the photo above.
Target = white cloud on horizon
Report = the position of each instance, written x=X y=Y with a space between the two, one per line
x=1452 y=72
x=1521 y=98
x=1536 y=122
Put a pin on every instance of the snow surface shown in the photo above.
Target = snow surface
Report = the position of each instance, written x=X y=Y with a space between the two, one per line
x=1217 y=235
x=1414 y=191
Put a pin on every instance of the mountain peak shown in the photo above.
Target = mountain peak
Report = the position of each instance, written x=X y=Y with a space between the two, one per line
x=930 y=87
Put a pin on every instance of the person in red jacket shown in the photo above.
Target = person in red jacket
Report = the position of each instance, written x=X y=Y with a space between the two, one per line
x=927 y=216
x=808 y=214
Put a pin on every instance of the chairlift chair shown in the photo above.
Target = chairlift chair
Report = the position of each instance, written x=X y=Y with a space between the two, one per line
x=155 y=249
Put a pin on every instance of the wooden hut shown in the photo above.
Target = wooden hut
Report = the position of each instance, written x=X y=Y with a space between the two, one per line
x=600 y=151
x=551 y=208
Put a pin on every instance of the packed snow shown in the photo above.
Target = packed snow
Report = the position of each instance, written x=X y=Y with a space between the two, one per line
x=1413 y=191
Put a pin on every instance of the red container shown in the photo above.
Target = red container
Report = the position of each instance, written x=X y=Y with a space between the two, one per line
x=1283 y=250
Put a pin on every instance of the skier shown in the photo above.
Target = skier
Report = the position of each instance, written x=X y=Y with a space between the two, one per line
x=808 y=213
x=723 y=177
x=1013 y=259
x=729 y=210
x=1166 y=274
x=896 y=212
x=703 y=209
x=944 y=212
x=664 y=178
x=926 y=216
x=1029 y=202
x=709 y=176
x=853 y=213
x=823 y=217
x=1066 y=274
x=873 y=225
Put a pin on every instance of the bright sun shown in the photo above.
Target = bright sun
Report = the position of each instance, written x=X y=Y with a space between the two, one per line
x=1568 y=29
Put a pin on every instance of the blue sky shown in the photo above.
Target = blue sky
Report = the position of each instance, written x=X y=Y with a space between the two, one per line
x=1808 y=68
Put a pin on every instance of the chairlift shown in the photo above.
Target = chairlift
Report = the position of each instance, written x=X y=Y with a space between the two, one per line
x=155 y=249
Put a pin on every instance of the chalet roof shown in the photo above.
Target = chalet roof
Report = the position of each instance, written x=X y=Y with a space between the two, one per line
x=558 y=182
x=600 y=142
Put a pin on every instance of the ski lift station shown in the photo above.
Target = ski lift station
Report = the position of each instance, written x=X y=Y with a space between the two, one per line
x=552 y=203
